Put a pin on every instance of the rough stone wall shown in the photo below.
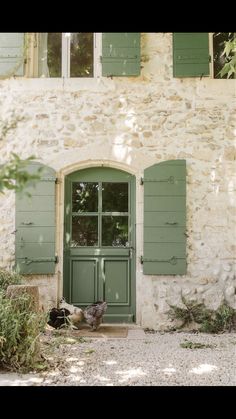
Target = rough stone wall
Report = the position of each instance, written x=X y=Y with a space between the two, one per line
x=131 y=123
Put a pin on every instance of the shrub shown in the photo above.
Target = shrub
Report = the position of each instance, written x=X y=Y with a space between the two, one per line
x=8 y=278
x=20 y=328
x=190 y=312
x=221 y=320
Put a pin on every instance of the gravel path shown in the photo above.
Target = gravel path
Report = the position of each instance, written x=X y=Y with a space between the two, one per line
x=141 y=359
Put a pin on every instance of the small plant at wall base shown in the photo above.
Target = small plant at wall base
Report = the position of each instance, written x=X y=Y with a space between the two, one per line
x=210 y=321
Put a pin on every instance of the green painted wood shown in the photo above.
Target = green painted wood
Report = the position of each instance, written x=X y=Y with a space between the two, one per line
x=11 y=54
x=91 y=251
x=158 y=188
x=115 y=266
x=191 y=54
x=164 y=203
x=165 y=219
x=122 y=318
x=120 y=54
x=33 y=234
x=117 y=281
x=83 y=281
x=178 y=269
x=42 y=268
x=163 y=234
x=33 y=249
x=165 y=250
x=35 y=224
x=36 y=203
x=35 y=219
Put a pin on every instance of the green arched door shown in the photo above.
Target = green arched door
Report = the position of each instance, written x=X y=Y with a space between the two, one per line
x=99 y=241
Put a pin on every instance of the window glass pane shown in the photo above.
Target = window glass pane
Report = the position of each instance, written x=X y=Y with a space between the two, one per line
x=50 y=54
x=81 y=54
x=84 y=197
x=84 y=231
x=115 y=197
x=219 y=39
x=114 y=231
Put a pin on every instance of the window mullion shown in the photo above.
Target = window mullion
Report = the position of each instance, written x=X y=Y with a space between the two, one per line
x=65 y=55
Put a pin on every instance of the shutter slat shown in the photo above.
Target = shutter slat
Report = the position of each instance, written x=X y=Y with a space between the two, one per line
x=165 y=218
x=191 y=54
x=35 y=224
x=120 y=54
x=11 y=54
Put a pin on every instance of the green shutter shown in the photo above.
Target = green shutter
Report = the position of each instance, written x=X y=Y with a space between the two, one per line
x=35 y=225
x=120 y=54
x=191 y=54
x=11 y=54
x=165 y=218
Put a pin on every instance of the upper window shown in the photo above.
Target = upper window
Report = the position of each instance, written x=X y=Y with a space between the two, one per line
x=66 y=54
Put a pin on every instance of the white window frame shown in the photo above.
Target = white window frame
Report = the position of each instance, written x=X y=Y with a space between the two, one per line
x=32 y=70
x=66 y=45
x=211 y=53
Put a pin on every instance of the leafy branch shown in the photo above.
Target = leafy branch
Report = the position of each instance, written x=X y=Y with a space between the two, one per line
x=14 y=174
x=229 y=53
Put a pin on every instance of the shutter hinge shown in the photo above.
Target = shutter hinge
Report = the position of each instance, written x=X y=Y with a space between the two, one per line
x=28 y=261
x=141 y=260
x=209 y=58
x=141 y=181
x=57 y=180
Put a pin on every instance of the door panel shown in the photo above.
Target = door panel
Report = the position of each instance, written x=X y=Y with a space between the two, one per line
x=117 y=281
x=99 y=236
x=83 y=281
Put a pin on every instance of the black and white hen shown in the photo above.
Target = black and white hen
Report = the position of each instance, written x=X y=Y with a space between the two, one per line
x=93 y=314
x=58 y=317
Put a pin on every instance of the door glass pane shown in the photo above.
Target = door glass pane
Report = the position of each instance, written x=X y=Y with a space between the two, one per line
x=115 y=197
x=114 y=231
x=84 y=197
x=84 y=231
x=50 y=45
x=81 y=54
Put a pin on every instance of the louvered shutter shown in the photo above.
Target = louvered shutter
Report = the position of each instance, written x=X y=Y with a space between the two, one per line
x=11 y=54
x=120 y=54
x=35 y=225
x=165 y=218
x=191 y=54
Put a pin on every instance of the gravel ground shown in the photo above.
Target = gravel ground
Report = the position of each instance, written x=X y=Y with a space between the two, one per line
x=141 y=359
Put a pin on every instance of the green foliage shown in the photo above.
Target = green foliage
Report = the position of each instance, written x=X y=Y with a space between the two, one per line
x=20 y=328
x=194 y=345
x=229 y=54
x=14 y=174
x=221 y=320
x=191 y=312
x=8 y=278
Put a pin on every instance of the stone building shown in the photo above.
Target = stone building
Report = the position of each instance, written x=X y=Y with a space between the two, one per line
x=136 y=135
